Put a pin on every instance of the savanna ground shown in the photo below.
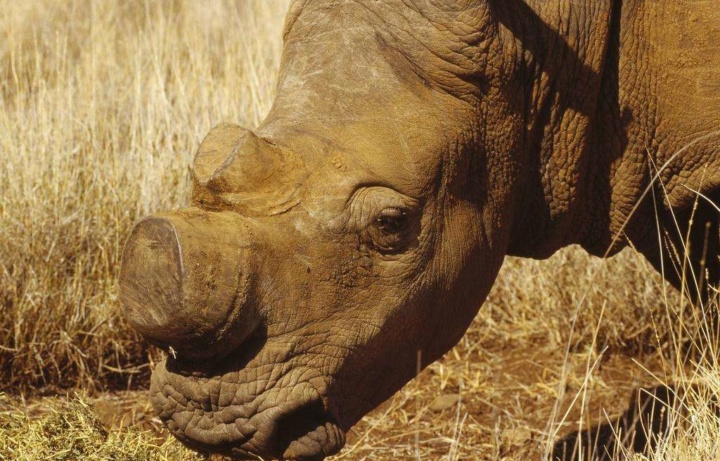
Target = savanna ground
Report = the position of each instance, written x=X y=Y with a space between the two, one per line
x=102 y=105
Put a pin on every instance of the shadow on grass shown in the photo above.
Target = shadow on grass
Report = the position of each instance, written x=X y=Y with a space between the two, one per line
x=644 y=423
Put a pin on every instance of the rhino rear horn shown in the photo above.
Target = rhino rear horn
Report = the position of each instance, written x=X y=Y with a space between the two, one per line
x=233 y=160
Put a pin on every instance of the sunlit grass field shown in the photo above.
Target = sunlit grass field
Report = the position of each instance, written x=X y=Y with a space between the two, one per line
x=102 y=106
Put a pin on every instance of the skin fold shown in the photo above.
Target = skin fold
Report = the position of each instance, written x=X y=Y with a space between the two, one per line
x=411 y=146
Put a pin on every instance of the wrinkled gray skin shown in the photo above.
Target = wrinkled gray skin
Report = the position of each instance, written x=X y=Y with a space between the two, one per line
x=412 y=145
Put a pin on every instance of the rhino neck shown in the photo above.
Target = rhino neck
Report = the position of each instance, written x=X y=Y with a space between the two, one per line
x=563 y=50
x=659 y=119
x=613 y=101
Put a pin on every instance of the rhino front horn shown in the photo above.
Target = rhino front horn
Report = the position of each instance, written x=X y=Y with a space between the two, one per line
x=232 y=160
x=185 y=282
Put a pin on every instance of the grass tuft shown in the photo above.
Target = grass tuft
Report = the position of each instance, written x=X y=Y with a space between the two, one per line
x=68 y=430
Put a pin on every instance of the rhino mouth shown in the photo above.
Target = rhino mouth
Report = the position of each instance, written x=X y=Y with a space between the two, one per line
x=230 y=414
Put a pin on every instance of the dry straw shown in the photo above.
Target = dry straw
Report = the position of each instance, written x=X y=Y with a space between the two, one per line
x=103 y=105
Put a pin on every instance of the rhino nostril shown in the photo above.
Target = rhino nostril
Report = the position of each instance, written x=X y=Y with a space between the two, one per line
x=296 y=424
x=185 y=282
x=304 y=433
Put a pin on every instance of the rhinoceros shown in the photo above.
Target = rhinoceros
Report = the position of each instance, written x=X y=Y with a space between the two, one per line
x=412 y=145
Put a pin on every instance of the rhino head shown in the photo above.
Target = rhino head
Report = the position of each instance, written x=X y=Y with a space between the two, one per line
x=355 y=232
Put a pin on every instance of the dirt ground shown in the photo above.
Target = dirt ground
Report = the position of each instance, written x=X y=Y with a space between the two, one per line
x=498 y=403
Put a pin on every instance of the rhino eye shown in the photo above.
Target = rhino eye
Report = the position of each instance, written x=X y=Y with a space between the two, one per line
x=392 y=220
x=391 y=230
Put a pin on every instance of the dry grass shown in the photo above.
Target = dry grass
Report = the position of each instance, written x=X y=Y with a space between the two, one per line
x=68 y=430
x=103 y=105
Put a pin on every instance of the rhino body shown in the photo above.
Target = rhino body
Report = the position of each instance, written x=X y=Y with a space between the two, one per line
x=412 y=145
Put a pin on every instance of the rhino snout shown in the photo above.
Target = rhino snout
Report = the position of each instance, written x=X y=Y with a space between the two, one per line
x=185 y=282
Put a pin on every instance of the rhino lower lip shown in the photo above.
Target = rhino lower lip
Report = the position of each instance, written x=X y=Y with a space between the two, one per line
x=298 y=428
